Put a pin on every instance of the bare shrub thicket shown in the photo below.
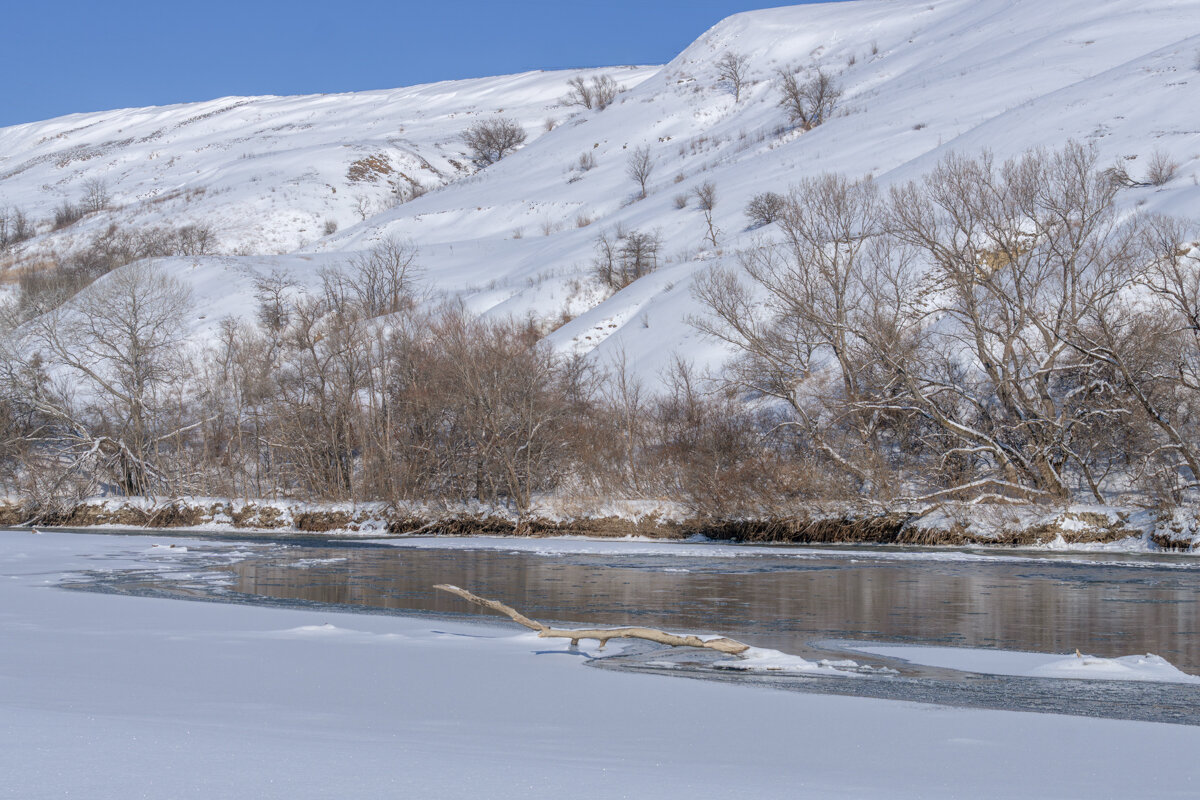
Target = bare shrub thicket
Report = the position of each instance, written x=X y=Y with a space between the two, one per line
x=44 y=289
x=95 y=198
x=808 y=99
x=66 y=214
x=15 y=227
x=491 y=140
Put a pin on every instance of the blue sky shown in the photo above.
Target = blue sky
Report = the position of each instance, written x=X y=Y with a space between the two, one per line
x=80 y=55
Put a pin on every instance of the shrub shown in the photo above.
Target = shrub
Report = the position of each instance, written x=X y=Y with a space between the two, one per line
x=491 y=140
x=811 y=101
x=764 y=208
x=598 y=94
x=1161 y=168
x=114 y=247
x=67 y=214
x=14 y=227
x=605 y=90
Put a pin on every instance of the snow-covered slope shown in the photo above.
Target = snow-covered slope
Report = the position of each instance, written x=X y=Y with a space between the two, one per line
x=920 y=79
x=267 y=172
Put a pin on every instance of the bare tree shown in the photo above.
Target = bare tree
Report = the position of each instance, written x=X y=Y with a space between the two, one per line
x=96 y=196
x=605 y=263
x=731 y=71
x=706 y=199
x=1153 y=351
x=625 y=256
x=833 y=294
x=809 y=101
x=638 y=255
x=625 y=395
x=639 y=168
x=1022 y=255
x=382 y=280
x=512 y=401
x=604 y=90
x=491 y=140
x=122 y=338
x=195 y=240
x=579 y=93
x=363 y=206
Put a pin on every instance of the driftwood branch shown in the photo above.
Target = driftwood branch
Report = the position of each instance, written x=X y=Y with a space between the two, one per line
x=602 y=635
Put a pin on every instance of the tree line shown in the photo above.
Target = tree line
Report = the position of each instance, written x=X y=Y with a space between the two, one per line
x=995 y=332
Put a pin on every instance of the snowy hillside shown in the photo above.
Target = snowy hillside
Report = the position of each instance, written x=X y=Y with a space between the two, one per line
x=919 y=80
x=267 y=172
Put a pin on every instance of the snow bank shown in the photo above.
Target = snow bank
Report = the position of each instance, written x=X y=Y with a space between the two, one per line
x=1075 y=527
x=1040 y=665
x=759 y=659
x=1126 y=668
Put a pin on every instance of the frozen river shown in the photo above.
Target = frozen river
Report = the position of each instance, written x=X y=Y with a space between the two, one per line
x=831 y=603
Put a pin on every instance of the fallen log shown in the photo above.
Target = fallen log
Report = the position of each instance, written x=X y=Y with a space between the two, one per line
x=602 y=635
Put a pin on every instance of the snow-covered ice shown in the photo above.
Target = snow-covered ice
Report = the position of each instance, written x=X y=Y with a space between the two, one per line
x=1081 y=666
x=106 y=696
x=760 y=659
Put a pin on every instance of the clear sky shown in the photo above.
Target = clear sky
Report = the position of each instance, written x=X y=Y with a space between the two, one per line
x=63 y=56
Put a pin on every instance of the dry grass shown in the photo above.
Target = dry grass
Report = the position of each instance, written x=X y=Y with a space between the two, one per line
x=369 y=168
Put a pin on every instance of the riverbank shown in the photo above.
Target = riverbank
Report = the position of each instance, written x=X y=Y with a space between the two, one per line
x=1067 y=527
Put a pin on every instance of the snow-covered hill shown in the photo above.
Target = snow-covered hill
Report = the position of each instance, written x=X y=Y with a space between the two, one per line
x=920 y=79
x=267 y=172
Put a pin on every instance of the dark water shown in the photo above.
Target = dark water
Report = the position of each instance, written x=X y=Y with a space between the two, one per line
x=1103 y=605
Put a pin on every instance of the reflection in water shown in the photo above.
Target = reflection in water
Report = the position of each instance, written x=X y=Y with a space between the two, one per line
x=1043 y=605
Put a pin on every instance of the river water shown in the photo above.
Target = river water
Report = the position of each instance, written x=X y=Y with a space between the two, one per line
x=1101 y=604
